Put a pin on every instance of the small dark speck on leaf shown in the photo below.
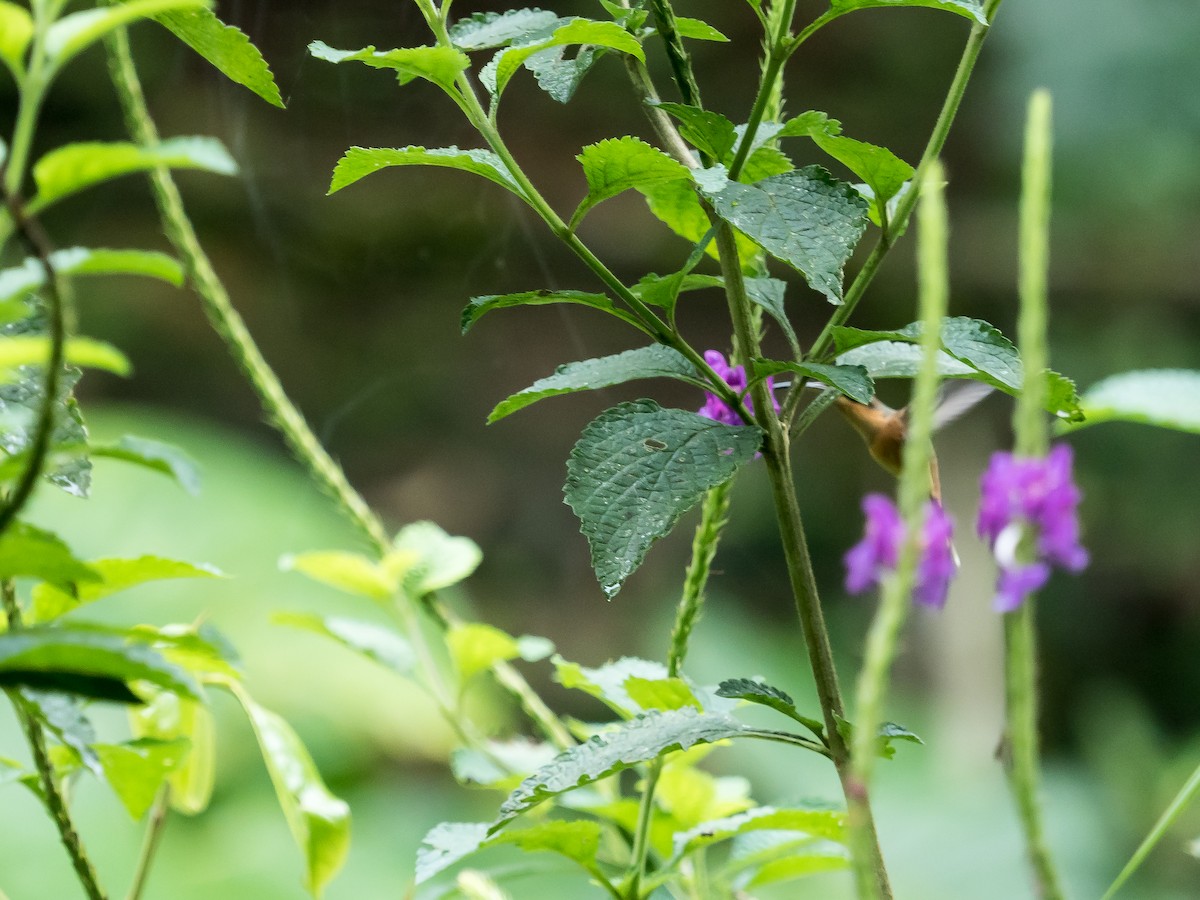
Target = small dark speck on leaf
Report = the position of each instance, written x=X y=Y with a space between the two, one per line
x=653 y=444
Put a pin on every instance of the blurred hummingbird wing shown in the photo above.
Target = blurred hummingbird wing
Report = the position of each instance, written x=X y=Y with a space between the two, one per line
x=956 y=399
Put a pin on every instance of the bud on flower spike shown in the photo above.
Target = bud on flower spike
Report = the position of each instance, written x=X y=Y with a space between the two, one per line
x=1021 y=493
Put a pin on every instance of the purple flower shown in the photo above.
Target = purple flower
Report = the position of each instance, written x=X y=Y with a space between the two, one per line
x=1021 y=493
x=735 y=376
x=872 y=558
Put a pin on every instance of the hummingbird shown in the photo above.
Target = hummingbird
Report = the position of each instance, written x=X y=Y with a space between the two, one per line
x=885 y=430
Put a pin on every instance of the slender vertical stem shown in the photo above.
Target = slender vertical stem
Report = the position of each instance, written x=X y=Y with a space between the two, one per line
x=713 y=516
x=889 y=620
x=681 y=62
x=150 y=841
x=52 y=797
x=1032 y=439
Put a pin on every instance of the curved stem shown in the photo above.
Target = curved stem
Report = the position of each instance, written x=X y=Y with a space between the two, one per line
x=933 y=149
x=150 y=841
x=50 y=794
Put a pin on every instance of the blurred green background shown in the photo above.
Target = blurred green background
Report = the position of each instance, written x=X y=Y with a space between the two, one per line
x=356 y=299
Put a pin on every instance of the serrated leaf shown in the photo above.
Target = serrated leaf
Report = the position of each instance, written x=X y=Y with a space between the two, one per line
x=34 y=350
x=166 y=716
x=698 y=30
x=478 y=307
x=35 y=656
x=225 y=47
x=375 y=642
x=660 y=693
x=636 y=469
x=768 y=293
x=805 y=218
x=16 y=31
x=640 y=740
x=677 y=206
x=319 y=821
x=767 y=695
x=29 y=552
x=486 y=30
x=808 y=123
x=851 y=380
x=503 y=765
x=359 y=162
x=972 y=9
x=137 y=769
x=74 y=167
x=824 y=823
x=156 y=455
x=664 y=290
x=75 y=31
x=424 y=558
x=349 y=572
x=886 y=735
x=449 y=842
x=620 y=164
x=31 y=274
x=883 y=171
x=607 y=682
x=440 y=65
x=709 y=132
x=1168 y=398
x=558 y=75
x=475 y=647
x=496 y=75
x=655 y=361
x=49 y=602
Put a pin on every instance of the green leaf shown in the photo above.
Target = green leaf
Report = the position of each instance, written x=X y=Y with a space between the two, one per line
x=822 y=858
x=33 y=655
x=375 y=642
x=496 y=75
x=607 y=683
x=349 y=572
x=636 y=469
x=227 y=48
x=559 y=76
x=34 y=350
x=619 y=164
x=168 y=717
x=883 y=171
x=50 y=602
x=10 y=769
x=640 y=740
x=137 y=769
x=972 y=9
x=676 y=205
x=319 y=821
x=31 y=274
x=1168 y=398
x=424 y=558
x=74 y=167
x=161 y=457
x=709 y=132
x=887 y=734
x=805 y=218
x=475 y=647
x=75 y=31
x=503 y=765
x=487 y=30
x=661 y=693
x=449 y=842
x=664 y=290
x=62 y=715
x=766 y=695
x=851 y=380
x=655 y=361
x=29 y=552
x=358 y=162
x=698 y=30
x=478 y=307
x=441 y=65
x=16 y=31
x=824 y=823
x=808 y=123
x=768 y=293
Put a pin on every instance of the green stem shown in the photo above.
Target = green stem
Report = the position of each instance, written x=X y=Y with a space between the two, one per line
x=681 y=62
x=279 y=409
x=33 y=91
x=884 y=634
x=796 y=553
x=1032 y=439
x=50 y=794
x=906 y=204
x=150 y=841
x=641 y=837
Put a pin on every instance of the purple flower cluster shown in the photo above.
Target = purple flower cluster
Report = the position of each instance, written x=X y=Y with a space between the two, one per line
x=1022 y=493
x=868 y=561
x=735 y=376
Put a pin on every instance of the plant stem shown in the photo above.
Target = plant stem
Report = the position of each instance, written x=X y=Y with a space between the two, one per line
x=51 y=796
x=280 y=411
x=796 y=554
x=884 y=634
x=1032 y=439
x=907 y=202
x=681 y=62
x=150 y=841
